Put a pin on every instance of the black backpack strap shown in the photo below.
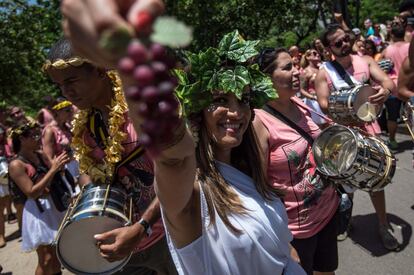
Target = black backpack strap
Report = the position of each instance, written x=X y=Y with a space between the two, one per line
x=293 y=125
x=343 y=74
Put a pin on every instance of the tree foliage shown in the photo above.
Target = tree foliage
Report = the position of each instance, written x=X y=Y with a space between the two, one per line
x=26 y=32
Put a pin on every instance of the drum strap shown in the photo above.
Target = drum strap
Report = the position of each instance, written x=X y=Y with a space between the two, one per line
x=342 y=73
x=97 y=128
x=136 y=153
x=289 y=122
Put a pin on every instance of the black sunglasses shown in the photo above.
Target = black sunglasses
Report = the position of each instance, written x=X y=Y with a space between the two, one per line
x=338 y=44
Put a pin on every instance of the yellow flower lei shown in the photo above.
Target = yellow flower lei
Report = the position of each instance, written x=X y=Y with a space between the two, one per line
x=102 y=172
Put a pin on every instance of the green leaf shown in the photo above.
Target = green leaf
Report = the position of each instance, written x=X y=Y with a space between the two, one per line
x=204 y=63
x=261 y=87
x=168 y=31
x=234 y=47
x=193 y=99
x=233 y=80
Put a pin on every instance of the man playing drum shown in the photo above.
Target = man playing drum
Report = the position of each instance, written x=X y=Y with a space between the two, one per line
x=362 y=69
x=103 y=137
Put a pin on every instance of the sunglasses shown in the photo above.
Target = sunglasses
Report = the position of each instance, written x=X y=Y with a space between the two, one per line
x=338 y=44
x=313 y=53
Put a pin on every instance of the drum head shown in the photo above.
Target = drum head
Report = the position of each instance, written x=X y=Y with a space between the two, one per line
x=364 y=110
x=335 y=150
x=77 y=250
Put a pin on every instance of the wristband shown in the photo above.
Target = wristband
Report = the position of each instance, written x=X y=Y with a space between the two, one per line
x=147 y=226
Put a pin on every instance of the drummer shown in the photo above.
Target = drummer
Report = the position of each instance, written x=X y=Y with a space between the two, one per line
x=103 y=131
x=362 y=70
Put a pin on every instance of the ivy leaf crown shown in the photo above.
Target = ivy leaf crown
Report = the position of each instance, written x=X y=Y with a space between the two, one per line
x=224 y=69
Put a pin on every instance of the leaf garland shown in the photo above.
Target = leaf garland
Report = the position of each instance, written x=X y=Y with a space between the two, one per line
x=222 y=69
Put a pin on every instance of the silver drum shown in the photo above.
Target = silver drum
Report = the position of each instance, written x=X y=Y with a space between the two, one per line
x=349 y=156
x=352 y=106
x=408 y=115
x=4 y=171
x=97 y=209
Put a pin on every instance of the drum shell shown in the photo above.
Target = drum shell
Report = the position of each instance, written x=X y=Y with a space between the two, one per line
x=371 y=164
x=343 y=105
x=91 y=214
x=408 y=113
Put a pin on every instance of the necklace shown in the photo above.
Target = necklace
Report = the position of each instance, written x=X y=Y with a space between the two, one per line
x=102 y=170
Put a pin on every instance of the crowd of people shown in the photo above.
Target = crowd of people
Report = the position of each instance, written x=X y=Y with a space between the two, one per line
x=235 y=188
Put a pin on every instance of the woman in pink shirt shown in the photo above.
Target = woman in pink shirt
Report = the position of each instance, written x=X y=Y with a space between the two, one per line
x=311 y=204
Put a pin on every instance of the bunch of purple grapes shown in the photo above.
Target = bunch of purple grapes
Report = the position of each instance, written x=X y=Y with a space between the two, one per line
x=154 y=89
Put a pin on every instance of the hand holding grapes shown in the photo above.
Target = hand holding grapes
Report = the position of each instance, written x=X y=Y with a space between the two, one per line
x=85 y=22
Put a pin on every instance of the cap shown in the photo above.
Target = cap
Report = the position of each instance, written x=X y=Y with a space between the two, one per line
x=356 y=31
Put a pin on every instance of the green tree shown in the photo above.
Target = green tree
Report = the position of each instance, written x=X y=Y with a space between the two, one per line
x=26 y=32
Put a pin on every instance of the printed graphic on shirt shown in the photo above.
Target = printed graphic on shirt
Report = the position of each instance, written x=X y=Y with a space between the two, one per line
x=137 y=179
x=308 y=187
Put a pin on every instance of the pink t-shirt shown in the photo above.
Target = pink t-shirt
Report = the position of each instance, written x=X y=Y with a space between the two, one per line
x=136 y=178
x=360 y=71
x=290 y=170
x=397 y=52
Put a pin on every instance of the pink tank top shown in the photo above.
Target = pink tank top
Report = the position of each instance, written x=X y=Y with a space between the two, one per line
x=289 y=169
x=62 y=138
x=360 y=71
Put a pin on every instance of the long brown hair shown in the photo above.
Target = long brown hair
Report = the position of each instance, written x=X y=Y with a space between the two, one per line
x=219 y=194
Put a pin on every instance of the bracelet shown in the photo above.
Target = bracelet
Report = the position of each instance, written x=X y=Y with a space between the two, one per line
x=146 y=225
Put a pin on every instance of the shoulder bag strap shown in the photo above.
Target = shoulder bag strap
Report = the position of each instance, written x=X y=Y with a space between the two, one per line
x=293 y=125
x=341 y=71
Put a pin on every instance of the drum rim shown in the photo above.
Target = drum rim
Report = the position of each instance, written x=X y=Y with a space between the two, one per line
x=352 y=117
x=315 y=142
x=99 y=199
x=69 y=221
x=76 y=271
x=98 y=209
x=94 y=188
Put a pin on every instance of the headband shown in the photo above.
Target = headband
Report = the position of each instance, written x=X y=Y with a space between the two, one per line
x=62 y=105
x=18 y=131
x=63 y=64
x=225 y=69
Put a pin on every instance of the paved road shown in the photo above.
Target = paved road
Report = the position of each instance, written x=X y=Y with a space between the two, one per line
x=361 y=253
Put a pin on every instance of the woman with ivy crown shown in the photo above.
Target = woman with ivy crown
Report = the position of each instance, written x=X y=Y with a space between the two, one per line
x=104 y=136
x=219 y=211
x=286 y=132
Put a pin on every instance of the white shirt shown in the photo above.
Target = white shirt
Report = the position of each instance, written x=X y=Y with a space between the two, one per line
x=262 y=247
